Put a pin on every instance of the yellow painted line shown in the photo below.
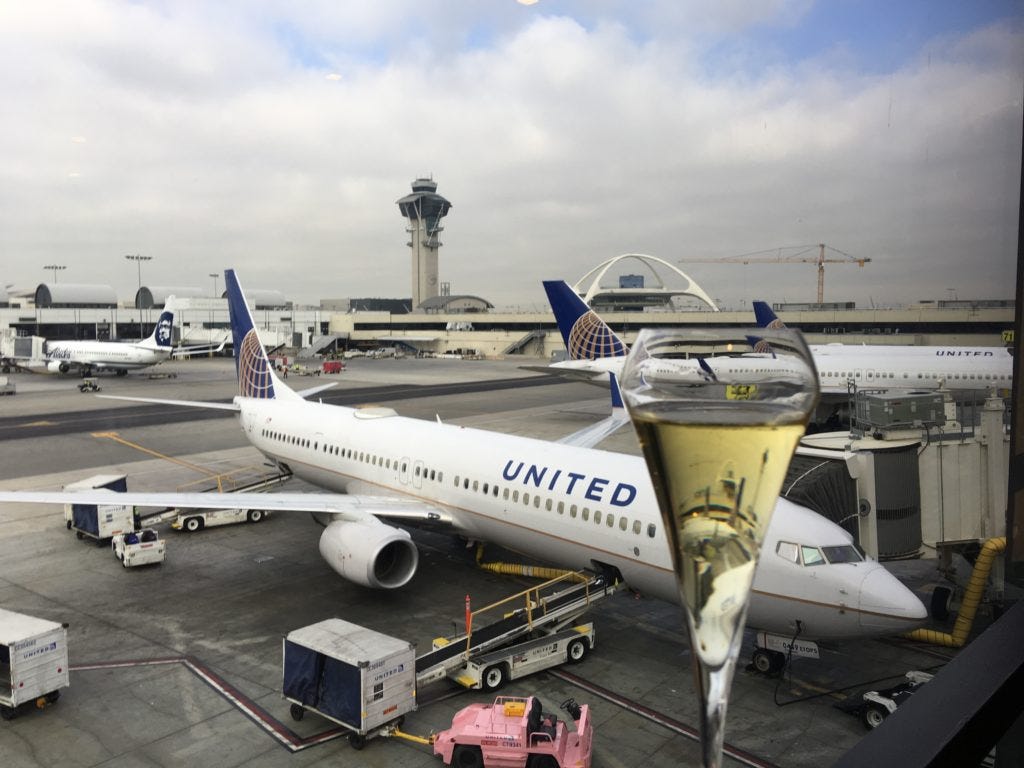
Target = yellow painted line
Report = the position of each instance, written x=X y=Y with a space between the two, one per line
x=38 y=424
x=118 y=439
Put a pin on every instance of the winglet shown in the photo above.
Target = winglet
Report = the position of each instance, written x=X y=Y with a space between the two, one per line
x=616 y=392
x=707 y=369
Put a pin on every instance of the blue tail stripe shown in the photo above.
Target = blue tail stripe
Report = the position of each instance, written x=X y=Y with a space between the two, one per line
x=251 y=364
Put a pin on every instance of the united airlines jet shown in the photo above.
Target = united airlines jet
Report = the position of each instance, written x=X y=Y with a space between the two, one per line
x=595 y=351
x=575 y=506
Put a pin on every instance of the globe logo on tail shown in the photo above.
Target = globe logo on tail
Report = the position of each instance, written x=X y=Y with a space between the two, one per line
x=253 y=370
x=591 y=339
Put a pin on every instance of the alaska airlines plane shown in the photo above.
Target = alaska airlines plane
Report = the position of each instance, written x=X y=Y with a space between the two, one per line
x=120 y=357
x=595 y=351
x=575 y=506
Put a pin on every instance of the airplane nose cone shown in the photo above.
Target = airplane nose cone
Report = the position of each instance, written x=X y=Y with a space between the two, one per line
x=886 y=605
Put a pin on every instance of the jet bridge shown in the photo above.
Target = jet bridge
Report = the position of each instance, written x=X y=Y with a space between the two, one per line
x=547 y=609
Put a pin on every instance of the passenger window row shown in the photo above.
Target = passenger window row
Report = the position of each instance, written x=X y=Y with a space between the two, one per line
x=549 y=504
x=361 y=456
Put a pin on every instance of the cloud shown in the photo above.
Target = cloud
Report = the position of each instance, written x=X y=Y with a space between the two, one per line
x=276 y=140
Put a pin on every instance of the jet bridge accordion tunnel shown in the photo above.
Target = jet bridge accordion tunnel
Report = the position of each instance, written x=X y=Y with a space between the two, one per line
x=880 y=507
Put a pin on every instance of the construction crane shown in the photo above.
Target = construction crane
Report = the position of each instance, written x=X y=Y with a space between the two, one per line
x=802 y=256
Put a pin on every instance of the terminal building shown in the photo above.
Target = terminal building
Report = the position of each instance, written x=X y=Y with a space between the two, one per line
x=629 y=291
x=445 y=324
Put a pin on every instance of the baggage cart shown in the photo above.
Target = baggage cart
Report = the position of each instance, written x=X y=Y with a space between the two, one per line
x=33 y=662
x=351 y=675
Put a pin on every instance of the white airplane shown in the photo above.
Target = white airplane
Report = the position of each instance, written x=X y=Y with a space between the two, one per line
x=882 y=366
x=595 y=351
x=576 y=506
x=119 y=357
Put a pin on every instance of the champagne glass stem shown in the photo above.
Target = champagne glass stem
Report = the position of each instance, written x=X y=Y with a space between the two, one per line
x=713 y=682
x=714 y=686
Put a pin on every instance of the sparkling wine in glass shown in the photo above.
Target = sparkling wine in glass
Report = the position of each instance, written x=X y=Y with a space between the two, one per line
x=718 y=413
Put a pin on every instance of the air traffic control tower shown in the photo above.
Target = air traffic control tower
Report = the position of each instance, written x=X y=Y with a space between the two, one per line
x=424 y=209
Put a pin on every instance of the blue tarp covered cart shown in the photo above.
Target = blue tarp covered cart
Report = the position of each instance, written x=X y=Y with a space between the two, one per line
x=354 y=676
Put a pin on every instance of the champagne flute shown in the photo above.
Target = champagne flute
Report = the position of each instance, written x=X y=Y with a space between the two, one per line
x=718 y=412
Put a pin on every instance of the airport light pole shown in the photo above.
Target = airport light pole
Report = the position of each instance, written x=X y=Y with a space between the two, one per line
x=138 y=299
x=56 y=268
x=214 y=275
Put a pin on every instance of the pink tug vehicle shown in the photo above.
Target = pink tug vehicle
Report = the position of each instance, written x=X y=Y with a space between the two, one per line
x=514 y=732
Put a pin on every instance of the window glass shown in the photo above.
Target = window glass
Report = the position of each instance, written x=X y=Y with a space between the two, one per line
x=787 y=550
x=844 y=554
x=811 y=555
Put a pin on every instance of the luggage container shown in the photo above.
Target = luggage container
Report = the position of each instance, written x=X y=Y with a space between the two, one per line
x=353 y=676
x=87 y=514
x=33 y=662
x=102 y=521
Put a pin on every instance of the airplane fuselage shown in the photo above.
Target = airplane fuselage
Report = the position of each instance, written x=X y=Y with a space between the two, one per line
x=104 y=354
x=573 y=506
x=841 y=367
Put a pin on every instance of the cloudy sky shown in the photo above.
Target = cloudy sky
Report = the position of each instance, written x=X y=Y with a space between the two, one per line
x=275 y=137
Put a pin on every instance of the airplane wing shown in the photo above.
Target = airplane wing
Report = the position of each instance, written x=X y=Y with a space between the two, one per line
x=586 y=375
x=347 y=507
x=197 y=349
x=313 y=390
x=160 y=401
x=590 y=436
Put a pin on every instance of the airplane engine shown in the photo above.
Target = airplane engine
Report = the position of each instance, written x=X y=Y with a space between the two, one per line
x=370 y=553
x=58 y=366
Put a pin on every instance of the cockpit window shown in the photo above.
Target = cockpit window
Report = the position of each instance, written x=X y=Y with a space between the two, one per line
x=787 y=550
x=811 y=555
x=844 y=554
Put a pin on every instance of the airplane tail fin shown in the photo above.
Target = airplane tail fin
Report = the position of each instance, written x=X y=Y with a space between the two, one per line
x=586 y=336
x=766 y=317
x=256 y=377
x=162 y=334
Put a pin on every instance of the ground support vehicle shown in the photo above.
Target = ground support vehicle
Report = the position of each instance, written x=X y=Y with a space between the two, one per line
x=333 y=366
x=100 y=521
x=872 y=707
x=490 y=671
x=299 y=369
x=356 y=677
x=193 y=520
x=88 y=385
x=515 y=731
x=7 y=386
x=143 y=547
x=543 y=633
x=33 y=662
